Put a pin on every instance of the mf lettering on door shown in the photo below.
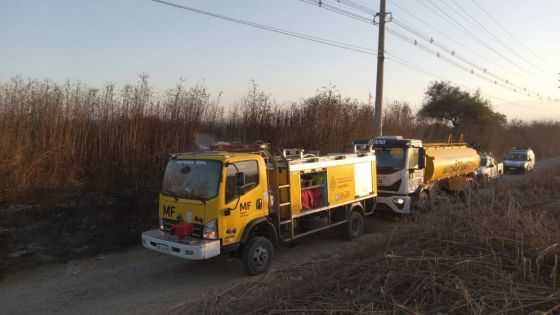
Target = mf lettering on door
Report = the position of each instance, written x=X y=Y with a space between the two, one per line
x=168 y=211
x=245 y=206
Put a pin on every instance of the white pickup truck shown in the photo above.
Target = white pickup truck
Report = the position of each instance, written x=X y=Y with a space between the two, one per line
x=520 y=159
x=489 y=168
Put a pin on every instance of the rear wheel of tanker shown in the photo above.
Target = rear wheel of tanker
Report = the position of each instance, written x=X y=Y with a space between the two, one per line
x=485 y=181
x=257 y=255
x=354 y=228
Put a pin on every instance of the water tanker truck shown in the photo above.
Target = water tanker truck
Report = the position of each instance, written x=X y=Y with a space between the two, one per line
x=244 y=199
x=409 y=171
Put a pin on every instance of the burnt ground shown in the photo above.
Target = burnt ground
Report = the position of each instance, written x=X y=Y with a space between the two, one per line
x=78 y=226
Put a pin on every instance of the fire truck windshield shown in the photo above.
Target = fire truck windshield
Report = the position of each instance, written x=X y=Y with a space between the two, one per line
x=389 y=160
x=192 y=179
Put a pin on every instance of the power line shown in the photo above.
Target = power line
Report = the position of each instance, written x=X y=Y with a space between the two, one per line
x=431 y=74
x=476 y=23
x=444 y=18
x=516 y=89
x=463 y=29
x=511 y=35
x=485 y=29
x=460 y=66
x=449 y=50
x=323 y=4
x=351 y=47
x=413 y=66
x=455 y=54
x=320 y=40
x=358 y=7
x=502 y=82
x=445 y=35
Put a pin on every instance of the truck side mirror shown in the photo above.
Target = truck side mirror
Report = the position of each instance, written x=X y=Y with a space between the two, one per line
x=421 y=158
x=240 y=183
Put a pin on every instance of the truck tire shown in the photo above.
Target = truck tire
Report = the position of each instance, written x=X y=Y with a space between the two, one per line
x=486 y=181
x=257 y=255
x=422 y=202
x=354 y=228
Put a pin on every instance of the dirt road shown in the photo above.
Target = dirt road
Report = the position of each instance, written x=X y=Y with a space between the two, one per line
x=140 y=281
x=143 y=282
x=539 y=166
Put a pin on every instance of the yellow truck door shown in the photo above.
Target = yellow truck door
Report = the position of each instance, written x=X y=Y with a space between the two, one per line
x=246 y=207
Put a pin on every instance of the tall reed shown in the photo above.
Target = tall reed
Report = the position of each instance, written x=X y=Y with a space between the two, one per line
x=67 y=136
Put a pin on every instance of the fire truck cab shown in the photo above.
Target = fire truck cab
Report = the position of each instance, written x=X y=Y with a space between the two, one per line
x=245 y=199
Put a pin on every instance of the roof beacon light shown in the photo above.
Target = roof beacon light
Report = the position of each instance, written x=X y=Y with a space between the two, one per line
x=239 y=147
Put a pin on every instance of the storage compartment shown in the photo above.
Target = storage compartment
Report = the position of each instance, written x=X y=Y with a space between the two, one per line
x=313 y=190
x=363 y=179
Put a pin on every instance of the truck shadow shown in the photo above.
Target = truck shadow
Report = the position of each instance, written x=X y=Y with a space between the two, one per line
x=329 y=241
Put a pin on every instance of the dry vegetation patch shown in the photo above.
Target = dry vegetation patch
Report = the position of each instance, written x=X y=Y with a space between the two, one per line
x=70 y=136
x=495 y=253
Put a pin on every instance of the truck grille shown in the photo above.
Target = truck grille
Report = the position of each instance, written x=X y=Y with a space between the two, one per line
x=198 y=228
x=394 y=187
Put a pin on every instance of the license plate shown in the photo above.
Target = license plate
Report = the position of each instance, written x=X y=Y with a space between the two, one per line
x=162 y=247
x=511 y=168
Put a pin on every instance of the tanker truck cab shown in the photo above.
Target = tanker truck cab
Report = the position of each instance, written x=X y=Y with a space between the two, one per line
x=410 y=171
x=400 y=171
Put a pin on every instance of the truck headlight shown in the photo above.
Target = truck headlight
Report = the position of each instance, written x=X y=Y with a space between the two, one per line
x=210 y=230
x=398 y=201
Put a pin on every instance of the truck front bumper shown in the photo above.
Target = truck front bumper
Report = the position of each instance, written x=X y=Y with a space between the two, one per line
x=189 y=248
x=393 y=203
x=513 y=169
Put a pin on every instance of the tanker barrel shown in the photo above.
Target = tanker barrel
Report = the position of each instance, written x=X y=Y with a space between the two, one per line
x=444 y=162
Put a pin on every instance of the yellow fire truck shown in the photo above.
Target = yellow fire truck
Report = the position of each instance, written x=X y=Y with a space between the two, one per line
x=246 y=199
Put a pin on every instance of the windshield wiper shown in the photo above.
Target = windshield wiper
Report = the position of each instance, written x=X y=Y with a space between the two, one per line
x=187 y=195
x=391 y=168
x=197 y=197
x=169 y=193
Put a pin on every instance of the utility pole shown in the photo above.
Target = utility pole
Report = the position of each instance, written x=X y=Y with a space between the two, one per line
x=380 y=60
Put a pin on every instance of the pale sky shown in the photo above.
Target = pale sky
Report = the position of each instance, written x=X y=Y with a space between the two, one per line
x=103 y=41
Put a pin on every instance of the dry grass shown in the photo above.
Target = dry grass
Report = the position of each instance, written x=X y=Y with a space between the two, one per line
x=495 y=254
x=59 y=137
x=55 y=137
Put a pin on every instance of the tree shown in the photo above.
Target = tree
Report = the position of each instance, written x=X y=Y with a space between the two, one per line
x=448 y=104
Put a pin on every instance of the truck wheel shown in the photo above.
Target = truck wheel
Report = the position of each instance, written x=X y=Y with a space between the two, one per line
x=355 y=226
x=422 y=202
x=257 y=255
x=486 y=181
